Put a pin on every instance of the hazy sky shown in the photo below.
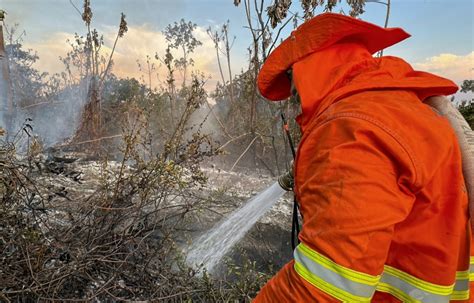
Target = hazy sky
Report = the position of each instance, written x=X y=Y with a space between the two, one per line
x=442 y=30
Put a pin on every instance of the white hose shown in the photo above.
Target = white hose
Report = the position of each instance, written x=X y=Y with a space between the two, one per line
x=465 y=137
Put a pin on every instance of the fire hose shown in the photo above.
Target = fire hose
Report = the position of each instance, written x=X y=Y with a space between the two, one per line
x=465 y=137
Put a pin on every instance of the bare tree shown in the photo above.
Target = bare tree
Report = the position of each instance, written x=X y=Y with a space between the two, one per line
x=87 y=51
x=223 y=45
x=180 y=36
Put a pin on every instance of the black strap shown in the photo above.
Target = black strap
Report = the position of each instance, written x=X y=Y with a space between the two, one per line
x=295 y=225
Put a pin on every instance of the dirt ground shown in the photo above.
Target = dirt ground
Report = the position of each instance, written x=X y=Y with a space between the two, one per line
x=267 y=243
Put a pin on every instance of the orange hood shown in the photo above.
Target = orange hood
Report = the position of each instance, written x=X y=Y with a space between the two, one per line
x=331 y=58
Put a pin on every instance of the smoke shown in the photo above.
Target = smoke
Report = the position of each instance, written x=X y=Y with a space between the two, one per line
x=57 y=120
x=205 y=118
x=3 y=95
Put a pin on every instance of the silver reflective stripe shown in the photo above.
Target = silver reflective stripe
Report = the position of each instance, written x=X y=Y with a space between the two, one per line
x=333 y=278
x=461 y=285
x=411 y=293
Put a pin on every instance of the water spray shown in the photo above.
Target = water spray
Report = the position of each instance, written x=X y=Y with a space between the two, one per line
x=465 y=136
x=207 y=251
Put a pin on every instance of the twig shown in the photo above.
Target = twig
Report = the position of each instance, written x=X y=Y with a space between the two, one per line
x=41 y=103
x=106 y=71
x=3 y=297
x=73 y=5
x=215 y=38
x=227 y=49
x=278 y=34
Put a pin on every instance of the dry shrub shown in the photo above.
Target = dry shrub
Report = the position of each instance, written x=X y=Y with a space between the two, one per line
x=119 y=240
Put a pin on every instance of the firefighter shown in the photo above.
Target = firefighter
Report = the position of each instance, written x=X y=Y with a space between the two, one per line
x=378 y=173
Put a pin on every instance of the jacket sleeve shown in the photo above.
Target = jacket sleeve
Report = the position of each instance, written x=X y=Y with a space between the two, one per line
x=353 y=180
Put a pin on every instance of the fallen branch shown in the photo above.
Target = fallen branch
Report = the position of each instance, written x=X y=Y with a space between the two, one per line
x=90 y=141
x=245 y=151
x=41 y=103
x=232 y=140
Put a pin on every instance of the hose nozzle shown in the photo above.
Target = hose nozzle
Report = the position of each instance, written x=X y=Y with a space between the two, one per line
x=286 y=181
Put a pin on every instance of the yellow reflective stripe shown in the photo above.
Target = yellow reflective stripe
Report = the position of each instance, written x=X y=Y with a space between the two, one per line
x=326 y=275
x=423 y=285
x=327 y=287
x=460 y=295
x=462 y=275
x=345 y=272
x=471 y=259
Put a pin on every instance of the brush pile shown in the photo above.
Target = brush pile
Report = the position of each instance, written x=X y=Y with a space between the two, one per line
x=79 y=230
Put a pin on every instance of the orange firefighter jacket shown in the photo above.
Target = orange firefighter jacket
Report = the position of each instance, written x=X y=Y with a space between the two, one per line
x=378 y=174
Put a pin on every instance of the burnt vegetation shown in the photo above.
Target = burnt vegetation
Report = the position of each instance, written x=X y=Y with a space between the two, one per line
x=101 y=179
